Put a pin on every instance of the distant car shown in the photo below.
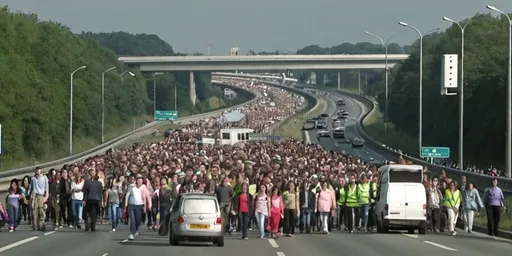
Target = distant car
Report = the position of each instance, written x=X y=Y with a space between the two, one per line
x=340 y=113
x=338 y=133
x=336 y=124
x=308 y=125
x=323 y=133
x=345 y=114
x=324 y=115
x=344 y=117
x=196 y=217
x=357 y=143
x=341 y=103
x=321 y=124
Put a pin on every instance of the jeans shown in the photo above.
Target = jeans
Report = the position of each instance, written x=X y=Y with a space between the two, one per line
x=364 y=215
x=260 y=219
x=306 y=217
x=12 y=212
x=77 y=208
x=135 y=216
x=164 y=211
x=114 y=214
x=468 y=217
x=324 y=216
x=244 y=225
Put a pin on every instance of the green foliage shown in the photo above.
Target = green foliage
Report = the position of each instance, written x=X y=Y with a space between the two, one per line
x=36 y=59
x=484 y=91
x=349 y=78
x=125 y=44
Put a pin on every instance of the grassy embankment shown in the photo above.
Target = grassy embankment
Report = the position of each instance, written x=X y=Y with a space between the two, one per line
x=374 y=126
x=292 y=128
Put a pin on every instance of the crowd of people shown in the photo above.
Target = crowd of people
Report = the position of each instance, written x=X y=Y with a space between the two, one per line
x=291 y=183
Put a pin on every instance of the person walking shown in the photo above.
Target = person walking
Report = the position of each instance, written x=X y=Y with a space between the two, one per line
x=224 y=194
x=493 y=202
x=435 y=199
x=137 y=202
x=471 y=204
x=276 y=212
x=39 y=196
x=452 y=201
x=325 y=204
x=93 y=192
x=261 y=209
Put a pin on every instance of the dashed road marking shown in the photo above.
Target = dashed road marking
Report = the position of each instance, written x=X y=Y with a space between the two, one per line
x=273 y=243
x=49 y=233
x=410 y=235
x=440 y=246
x=24 y=241
x=280 y=254
x=105 y=254
x=126 y=240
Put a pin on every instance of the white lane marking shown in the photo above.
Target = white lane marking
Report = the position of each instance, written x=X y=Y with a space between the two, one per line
x=280 y=254
x=105 y=254
x=124 y=241
x=49 y=233
x=24 y=241
x=440 y=246
x=273 y=243
x=308 y=139
x=410 y=235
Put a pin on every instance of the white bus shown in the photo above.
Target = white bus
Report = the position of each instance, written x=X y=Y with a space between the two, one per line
x=401 y=200
x=232 y=136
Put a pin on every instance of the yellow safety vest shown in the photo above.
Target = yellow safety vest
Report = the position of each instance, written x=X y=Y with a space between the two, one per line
x=342 y=196
x=352 y=197
x=364 y=193
x=374 y=192
x=452 y=200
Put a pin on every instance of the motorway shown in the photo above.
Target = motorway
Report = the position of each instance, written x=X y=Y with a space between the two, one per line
x=102 y=243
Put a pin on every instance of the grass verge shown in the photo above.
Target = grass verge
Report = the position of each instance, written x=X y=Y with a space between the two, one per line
x=292 y=128
x=506 y=217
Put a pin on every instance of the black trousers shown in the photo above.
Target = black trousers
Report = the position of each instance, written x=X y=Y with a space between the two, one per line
x=435 y=219
x=290 y=217
x=92 y=208
x=493 y=219
x=350 y=215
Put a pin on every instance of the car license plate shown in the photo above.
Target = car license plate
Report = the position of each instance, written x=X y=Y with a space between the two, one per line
x=199 y=226
x=399 y=222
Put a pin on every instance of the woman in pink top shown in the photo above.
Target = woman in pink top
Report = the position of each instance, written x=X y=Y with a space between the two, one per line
x=261 y=208
x=276 y=212
x=325 y=203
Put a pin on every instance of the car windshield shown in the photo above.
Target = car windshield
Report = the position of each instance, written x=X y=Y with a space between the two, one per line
x=199 y=206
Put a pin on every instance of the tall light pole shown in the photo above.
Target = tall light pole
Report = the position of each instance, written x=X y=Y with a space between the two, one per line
x=508 y=151
x=420 y=129
x=385 y=45
x=103 y=103
x=71 y=111
x=154 y=90
x=461 y=93
x=126 y=72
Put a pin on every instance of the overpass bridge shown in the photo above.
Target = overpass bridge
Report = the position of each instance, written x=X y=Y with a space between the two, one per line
x=258 y=63
x=261 y=62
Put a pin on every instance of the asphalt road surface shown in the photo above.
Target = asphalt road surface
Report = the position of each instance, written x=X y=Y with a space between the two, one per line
x=102 y=243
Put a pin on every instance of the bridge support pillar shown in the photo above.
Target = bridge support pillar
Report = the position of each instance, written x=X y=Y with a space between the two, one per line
x=193 y=96
x=320 y=78
x=339 y=81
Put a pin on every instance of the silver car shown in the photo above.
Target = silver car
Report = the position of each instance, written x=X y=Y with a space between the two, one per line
x=196 y=217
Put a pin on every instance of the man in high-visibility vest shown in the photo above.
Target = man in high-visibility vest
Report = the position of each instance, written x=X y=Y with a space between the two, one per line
x=363 y=192
x=351 y=203
x=451 y=202
x=340 y=204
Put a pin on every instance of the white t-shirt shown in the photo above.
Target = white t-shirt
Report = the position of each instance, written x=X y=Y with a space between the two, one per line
x=77 y=195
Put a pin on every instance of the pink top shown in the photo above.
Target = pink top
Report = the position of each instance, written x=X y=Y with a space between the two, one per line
x=325 y=200
x=261 y=204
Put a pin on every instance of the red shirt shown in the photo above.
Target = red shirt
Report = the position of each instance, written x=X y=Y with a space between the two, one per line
x=244 y=203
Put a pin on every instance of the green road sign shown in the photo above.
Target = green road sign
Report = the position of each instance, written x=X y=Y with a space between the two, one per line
x=163 y=115
x=435 y=152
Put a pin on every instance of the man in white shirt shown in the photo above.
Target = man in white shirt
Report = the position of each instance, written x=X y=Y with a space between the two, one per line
x=39 y=190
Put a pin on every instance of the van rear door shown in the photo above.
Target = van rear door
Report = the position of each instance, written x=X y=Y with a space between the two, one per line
x=396 y=201
x=200 y=213
x=415 y=201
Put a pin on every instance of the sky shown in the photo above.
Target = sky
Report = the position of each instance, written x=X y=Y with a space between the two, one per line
x=259 y=25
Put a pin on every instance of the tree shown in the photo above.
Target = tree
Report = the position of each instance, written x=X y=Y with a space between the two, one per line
x=484 y=91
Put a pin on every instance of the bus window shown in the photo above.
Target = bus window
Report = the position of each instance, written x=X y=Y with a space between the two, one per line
x=405 y=175
x=239 y=136
x=243 y=136
x=226 y=136
x=247 y=136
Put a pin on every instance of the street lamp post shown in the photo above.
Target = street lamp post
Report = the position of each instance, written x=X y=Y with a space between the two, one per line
x=461 y=93
x=508 y=151
x=385 y=45
x=420 y=129
x=154 y=90
x=71 y=111
x=103 y=103
x=126 y=72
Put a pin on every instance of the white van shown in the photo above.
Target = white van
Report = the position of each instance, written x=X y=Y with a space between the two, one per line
x=401 y=199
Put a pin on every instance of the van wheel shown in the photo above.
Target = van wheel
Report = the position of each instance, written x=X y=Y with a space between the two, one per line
x=422 y=230
x=220 y=241
x=410 y=230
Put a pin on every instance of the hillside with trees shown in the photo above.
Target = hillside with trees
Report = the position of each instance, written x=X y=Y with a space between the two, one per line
x=485 y=81
x=36 y=60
